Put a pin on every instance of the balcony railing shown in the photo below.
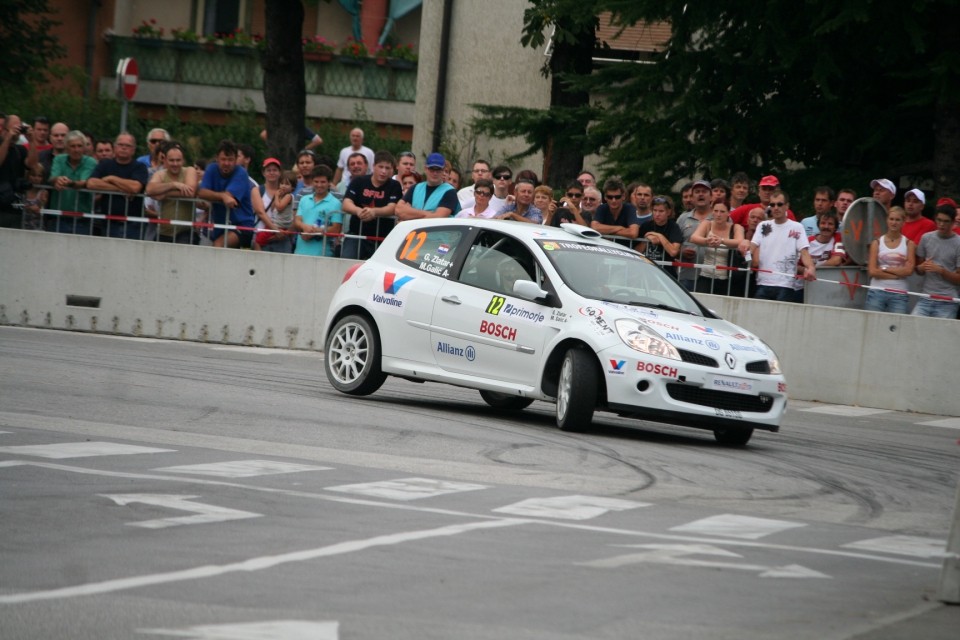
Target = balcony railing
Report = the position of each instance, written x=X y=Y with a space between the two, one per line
x=239 y=67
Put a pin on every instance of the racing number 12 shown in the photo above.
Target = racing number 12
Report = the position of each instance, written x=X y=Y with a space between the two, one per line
x=410 y=252
x=496 y=303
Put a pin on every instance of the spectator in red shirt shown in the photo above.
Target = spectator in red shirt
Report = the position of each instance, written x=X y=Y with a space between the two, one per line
x=916 y=224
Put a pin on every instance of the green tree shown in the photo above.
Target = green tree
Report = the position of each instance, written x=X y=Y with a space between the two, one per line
x=836 y=87
x=560 y=131
x=28 y=23
x=830 y=90
x=284 y=87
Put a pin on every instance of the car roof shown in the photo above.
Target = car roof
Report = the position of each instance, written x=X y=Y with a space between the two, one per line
x=524 y=231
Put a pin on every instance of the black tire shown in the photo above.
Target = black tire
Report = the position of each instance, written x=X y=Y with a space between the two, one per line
x=352 y=357
x=733 y=436
x=505 y=401
x=577 y=390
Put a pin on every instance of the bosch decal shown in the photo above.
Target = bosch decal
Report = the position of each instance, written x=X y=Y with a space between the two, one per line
x=657 y=369
x=498 y=330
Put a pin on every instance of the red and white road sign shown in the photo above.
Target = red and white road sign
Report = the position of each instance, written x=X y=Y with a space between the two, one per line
x=128 y=77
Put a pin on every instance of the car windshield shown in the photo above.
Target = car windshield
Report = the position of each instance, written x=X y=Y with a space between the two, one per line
x=614 y=274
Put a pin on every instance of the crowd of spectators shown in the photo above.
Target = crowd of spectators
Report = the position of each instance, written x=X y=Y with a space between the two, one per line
x=329 y=207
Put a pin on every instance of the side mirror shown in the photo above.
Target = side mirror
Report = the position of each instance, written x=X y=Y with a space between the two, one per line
x=529 y=290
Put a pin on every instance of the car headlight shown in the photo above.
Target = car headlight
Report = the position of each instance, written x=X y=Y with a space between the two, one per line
x=642 y=338
x=774 y=362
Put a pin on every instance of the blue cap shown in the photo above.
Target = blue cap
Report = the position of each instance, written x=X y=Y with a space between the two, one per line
x=435 y=160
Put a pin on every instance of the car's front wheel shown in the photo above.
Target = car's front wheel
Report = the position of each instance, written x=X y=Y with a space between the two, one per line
x=577 y=390
x=505 y=401
x=353 y=357
x=732 y=436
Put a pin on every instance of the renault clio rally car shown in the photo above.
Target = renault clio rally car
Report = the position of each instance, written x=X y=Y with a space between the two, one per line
x=523 y=312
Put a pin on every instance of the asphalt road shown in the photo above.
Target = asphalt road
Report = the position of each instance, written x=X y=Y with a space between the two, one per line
x=153 y=489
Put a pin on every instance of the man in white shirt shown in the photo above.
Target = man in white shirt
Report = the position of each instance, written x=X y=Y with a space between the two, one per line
x=356 y=146
x=777 y=245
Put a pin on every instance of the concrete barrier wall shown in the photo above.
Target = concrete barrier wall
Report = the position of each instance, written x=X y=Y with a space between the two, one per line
x=832 y=355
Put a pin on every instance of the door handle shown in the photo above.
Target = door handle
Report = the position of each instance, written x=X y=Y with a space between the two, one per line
x=451 y=299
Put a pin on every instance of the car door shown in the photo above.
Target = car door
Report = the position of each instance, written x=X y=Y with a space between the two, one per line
x=479 y=327
x=404 y=293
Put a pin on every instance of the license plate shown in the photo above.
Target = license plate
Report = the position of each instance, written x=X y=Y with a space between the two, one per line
x=729 y=383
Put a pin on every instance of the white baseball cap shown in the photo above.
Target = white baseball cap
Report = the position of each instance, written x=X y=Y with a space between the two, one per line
x=922 y=198
x=886 y=184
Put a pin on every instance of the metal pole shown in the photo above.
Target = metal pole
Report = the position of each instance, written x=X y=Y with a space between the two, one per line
x=123 y=116
x=949 y=590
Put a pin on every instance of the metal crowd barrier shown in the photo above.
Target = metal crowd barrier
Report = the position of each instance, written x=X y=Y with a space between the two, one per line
x=194 y=227
x=139 y=217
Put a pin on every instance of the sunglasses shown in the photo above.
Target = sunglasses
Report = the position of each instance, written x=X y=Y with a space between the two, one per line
x=778 y=204
x=660 y=201
x=484 y=194
x=155 y=141
x=613 y=196
x=574 y=194
x=503 y=176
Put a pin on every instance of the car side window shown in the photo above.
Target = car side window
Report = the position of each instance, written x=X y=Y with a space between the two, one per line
x=430 y=250
x=495 y=261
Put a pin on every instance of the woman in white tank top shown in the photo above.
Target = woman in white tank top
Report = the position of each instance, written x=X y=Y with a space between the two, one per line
x=892 y=259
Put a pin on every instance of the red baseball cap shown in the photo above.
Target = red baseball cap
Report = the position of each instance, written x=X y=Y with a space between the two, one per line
x=949 y=201
x=270 y=161
x=769 y=181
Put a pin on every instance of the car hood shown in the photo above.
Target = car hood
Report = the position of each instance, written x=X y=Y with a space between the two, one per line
x=708 y=336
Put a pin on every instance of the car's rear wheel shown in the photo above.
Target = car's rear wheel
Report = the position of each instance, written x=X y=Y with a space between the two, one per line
x=733 y=436
x=577 y=390
x=353 y=357
x=505 y=401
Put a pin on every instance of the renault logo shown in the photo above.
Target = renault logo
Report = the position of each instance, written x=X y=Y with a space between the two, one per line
x=730 y=360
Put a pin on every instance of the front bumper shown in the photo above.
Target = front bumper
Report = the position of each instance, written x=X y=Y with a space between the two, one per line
x=692 y=393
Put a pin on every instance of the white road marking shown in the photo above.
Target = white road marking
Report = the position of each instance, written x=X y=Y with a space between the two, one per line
x=843 y=410
x=676 y=554
x=949 y=423
x=206 y=513
x=569 y=507
x=572 y=481
x=272 y=630
x=406 y=488
x=242 y=468
x=617 y=531
x=903 y=545
x=253 y=564
x=734 y=526
x=80 y=450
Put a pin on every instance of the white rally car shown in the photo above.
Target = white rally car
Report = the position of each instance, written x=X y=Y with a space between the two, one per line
x=524 y=312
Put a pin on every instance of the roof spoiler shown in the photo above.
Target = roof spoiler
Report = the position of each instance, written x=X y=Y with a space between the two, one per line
x=580 y=230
